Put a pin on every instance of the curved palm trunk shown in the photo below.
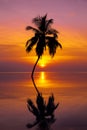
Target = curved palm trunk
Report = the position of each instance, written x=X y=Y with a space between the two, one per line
x=33 y=74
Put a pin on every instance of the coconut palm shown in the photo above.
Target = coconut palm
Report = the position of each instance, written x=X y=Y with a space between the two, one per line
x=44 y=37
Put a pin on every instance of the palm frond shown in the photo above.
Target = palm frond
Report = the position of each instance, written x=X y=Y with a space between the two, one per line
x=52 y=32
x=30 y=43
x=59 y=45
x=48 y=23
x=40 y=22
x=37 y=21
x=32 y=28
x=52 y=44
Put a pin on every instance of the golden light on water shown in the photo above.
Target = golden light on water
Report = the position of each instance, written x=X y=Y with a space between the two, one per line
x=45 y=80
x=42 y=75
x=42 y=81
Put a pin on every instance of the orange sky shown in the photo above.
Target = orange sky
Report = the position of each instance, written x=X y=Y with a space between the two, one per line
x=69 y=19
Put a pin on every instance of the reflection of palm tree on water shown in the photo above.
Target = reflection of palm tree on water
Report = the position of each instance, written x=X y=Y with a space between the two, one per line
x=45 y=37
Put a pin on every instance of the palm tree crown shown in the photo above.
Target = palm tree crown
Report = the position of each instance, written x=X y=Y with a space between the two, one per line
x=45 y=36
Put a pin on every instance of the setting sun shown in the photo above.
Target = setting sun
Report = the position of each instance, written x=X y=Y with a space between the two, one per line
x=44 y=61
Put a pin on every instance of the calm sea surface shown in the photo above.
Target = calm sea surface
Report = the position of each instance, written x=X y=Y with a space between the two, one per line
x=69 y=89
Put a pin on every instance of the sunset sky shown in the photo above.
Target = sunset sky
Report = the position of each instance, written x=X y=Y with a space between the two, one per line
x=70 y=19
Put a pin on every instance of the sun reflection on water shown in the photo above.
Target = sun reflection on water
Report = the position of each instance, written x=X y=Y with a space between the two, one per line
x=42 y=75
x=42 y=80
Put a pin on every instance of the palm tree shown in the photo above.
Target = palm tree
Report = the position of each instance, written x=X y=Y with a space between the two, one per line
x=44 y=36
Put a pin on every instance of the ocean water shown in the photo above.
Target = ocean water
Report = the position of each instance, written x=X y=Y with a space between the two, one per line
x=69 y=89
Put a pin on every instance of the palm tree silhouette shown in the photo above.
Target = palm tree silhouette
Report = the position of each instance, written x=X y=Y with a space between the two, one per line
x=45 y=37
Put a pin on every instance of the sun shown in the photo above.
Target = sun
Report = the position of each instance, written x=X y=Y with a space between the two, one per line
x=43 y=61
x=42 y=64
